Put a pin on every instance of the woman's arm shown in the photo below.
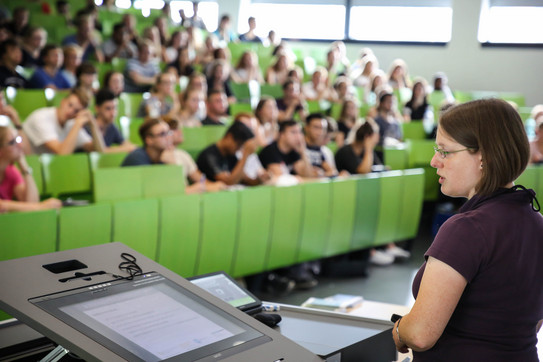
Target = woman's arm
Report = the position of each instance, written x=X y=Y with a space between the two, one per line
x=440 y=290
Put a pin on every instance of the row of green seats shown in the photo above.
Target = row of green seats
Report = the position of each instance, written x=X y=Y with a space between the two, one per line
x=242 y=232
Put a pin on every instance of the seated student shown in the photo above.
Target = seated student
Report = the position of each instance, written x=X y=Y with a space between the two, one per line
x=163 y=102
x=359 y=156
x=156 y=137
x=193 y=108
x=119 y=45
x=287 y=156
x=141 y=72
x=316 y=130
x=85 y=38
x=49 y=75
x=292 y=102
x=86 y=77
x=106 y=111
x=250 y=36
x=253 y=167
x=60 y=129
x=196 y=181
x=219 y=162
x=10 y=57
x=72 y=60
x=18 y=191
x=388 y=120
x=216 y=106
x=114 y=81
x=34 y=40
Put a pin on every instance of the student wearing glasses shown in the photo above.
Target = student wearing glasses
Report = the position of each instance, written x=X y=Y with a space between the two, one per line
x=479 y=295
x=156 y=137
x=18 y=191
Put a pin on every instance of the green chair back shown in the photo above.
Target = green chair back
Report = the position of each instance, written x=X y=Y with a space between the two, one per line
x=162 y=180
x=84 y=226
x=315 y=220
x=135 y=223
x=26 y=101
x=286 y=224
x=28 y=233
x=368 y=195
x=219 y=226
x=123 y=183
x=106 y=160
x=412 y=199
x=272 y=90
x=66 y=174
x=254 y=230
x=342 y=215
x=396 y=157
x=389 y=207
x=237 y=108
x=180 y=233
x=529 y=178
x=241 y=91
x=413 y=130
x=196 y=139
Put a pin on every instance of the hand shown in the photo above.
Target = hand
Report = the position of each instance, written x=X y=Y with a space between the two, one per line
x=215 y=186
x=51 y=204
x=83 y=117
x=264 y=176
x=300 y=145
x=168 y=156
x=249 y=147
x=11 y=113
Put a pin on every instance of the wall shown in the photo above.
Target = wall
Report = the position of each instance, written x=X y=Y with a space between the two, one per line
x=468 y=65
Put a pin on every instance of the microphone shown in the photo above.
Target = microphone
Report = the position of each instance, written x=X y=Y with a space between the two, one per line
x=271 y=320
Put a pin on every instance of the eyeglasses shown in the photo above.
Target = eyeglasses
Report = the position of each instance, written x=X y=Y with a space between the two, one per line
x=14 y=141
x=162 y=134
x=444 y=153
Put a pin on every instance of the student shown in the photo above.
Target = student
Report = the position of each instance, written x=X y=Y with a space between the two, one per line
x=316 y=129
x=106 y=105
x=60 y=129
x=49 y=75
x=287 y=156
x=18 y=191
x=219 y=162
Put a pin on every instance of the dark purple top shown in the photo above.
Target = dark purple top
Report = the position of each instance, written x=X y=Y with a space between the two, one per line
x=496 y=243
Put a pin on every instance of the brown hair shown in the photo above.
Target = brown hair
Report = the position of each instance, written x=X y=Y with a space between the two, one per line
x=146 y=126
x=84 y=95
x=494 y=128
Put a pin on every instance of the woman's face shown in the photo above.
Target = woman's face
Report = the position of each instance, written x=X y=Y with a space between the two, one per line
x=350 y=109
x=116 y=83
x=269 y=111
x=460 y=172
x=38 y=39
x=193 y=101
x=11 y=150
x=418 y=90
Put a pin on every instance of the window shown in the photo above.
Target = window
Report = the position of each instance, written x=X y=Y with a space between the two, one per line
x=208 y=10
x=401 y=23
x=297 y=19
x=514 y=22
x=368 y=20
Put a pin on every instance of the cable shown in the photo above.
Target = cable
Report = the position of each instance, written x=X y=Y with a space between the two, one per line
x=130 y=266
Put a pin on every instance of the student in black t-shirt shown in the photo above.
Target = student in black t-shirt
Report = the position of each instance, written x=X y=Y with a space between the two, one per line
x=10 y=57
x=287 y=154
x=316 y=129
x=219 y=162
x=359 y=156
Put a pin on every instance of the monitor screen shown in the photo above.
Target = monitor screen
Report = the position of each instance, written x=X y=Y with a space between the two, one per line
x=223 y=287
x=151 y=318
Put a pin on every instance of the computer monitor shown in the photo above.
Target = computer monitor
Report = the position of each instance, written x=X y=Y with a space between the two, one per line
x=224 y=287
x=151 y=318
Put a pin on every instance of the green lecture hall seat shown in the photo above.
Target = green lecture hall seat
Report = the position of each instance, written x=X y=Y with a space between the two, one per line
x=121 y=183
x=411 y=204
x=84 y=226
x=315 y=220
x=105 y=160
x=37 y=171
x=272 y=90
x=389 y=207
x=254 y=230
x=66 y=175
x=135 y=223
x=179 y=233
x=368 y=195
x=162 y=180
x=219 y=228
x=285 y=228
x=342 y=214
x=26 y=101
